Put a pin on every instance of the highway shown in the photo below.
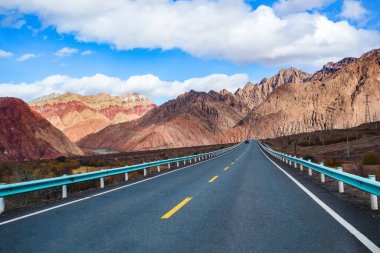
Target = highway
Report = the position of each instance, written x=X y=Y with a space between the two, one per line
x=238 y=202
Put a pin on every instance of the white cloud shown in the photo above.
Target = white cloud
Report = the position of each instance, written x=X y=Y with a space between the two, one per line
x=222 y=29
x=148 y=85
x=26 y=57
x=12 y=19
x=66 y=52
x=87 y=52
x=5 y=54
x=284 y=7
x=353 y=9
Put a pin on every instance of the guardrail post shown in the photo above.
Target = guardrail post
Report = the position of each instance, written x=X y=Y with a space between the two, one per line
x=126 y=176
x=64 y=189
x=301 y=166
x=340 y=184
x=168 y=165
x=322 y=175
x=184 y=162
x=158 y=168
x=2 y=203
x=190 y=160
x=374 y=204
x=102 y=182
x=309 y=171
x=295 y=163
x=177 y=164
x=145 y=172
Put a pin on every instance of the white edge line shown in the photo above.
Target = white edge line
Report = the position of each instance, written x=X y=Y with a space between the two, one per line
x=362 y=238
x=102 y=193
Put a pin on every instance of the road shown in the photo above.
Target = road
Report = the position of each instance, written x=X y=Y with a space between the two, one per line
x=239 y=202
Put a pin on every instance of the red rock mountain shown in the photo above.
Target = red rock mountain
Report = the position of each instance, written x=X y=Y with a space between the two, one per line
x=194 y=118
x=77 y=116
x=333 y=97
x=26 y=135
x=253 y=95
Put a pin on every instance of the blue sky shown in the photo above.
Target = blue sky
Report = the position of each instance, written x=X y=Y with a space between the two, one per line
x=162 y=49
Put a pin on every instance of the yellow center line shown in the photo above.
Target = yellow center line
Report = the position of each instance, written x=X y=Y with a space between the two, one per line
x=226 y=168
x=176 y=208
x=213 y=179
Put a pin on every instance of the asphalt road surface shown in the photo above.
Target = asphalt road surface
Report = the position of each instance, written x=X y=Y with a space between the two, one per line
x=239 y=202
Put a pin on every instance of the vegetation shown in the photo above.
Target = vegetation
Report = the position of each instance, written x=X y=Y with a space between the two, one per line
x=371 y=158
x=333 y=163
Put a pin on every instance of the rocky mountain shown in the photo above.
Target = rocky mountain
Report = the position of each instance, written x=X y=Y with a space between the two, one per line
x=333 y=97
x=77 y=116
x=26 y=135
x=193 y=118
x=253 y=95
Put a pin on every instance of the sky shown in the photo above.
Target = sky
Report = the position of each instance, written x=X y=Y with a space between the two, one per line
x=162 y=48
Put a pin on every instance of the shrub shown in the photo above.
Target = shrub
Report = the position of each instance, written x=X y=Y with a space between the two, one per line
x=309 y=157
x=333 y=163
x=371 y=158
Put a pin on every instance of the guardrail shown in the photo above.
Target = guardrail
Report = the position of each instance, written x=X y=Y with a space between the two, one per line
x=369 y=184
x=63 y=181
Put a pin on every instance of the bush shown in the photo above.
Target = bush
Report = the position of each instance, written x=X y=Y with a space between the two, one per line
x=371 y=158
x=310 y=157
x=333 y=163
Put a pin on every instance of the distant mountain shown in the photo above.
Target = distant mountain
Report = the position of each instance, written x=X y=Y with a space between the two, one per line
x=253 y=95
x=26 y=135
x=77 y=116
x=194 y=118
x=332 y=97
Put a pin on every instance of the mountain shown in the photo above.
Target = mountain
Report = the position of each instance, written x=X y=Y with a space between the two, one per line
x=333 y=97
x=253 y=95
x=26 y=135
x=77 y=116
x=193 y=118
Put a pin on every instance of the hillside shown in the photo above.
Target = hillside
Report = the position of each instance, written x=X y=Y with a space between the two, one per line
x=192 y=119
x=332 y=98
x=77 y=116
x=25 y=135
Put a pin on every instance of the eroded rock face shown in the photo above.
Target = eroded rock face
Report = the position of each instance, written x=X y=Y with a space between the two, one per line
x=253 y=95
x=333 y=97
x=292 y=101
x=193 y=118
x=26 y=135
x=77 y=116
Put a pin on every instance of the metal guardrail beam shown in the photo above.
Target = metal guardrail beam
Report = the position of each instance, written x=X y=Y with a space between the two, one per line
x=365 y=184
x=35 y=185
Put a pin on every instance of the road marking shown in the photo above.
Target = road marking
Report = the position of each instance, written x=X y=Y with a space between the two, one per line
x=176 y=208
x=233 y=163
x=362 y=238
x=105 y=192
x=213 y=179
x=226 y=168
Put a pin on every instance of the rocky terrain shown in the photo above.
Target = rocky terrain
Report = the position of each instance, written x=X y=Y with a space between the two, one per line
x=26 y=135
x=290 y=102
x=194 y=118
x=255 y=94
x=77 y=116
x=331 y=98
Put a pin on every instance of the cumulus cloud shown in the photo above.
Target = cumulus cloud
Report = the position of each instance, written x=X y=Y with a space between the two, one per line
x=26 y=57
x=87 y=52
x=284 y=7
x=5 y=54
x=148 y=85
x=223 y=29
x=66 y=52
x=353 y=9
